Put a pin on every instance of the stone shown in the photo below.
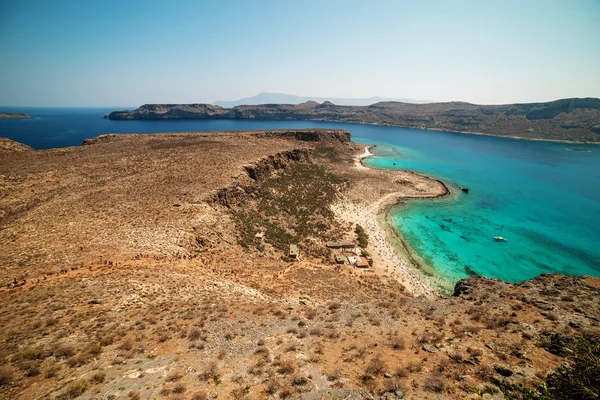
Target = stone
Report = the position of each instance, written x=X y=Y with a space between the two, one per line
x=429 y=348
x=503 y=370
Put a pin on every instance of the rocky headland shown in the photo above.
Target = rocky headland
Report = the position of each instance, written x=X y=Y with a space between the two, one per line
x=14 y=115
x=576 y=119
x=159 y=266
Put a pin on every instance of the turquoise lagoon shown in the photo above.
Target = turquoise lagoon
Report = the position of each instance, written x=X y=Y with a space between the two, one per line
x=543 y=197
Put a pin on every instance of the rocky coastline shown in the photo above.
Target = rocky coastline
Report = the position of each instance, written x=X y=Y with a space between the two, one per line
x=576 y=120
x=14 y=115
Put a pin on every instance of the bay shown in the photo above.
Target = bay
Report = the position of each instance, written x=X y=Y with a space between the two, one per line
x=543 y=197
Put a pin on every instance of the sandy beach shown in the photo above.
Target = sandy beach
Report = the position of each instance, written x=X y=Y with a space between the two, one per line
x=389 y=260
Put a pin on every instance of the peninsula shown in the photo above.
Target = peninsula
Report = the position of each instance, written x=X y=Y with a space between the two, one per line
x=250 y=265
x=576 y=119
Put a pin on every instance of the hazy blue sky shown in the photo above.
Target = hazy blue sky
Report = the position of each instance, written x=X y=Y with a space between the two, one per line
x=126 y=53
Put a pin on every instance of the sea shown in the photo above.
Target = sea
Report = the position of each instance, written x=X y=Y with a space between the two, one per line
x=542 y=197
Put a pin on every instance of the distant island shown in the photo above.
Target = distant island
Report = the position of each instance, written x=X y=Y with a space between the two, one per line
x=14 y=115
x=576 y=119
x=282 y=98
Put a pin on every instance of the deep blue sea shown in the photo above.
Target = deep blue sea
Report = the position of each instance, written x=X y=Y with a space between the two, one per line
x=543 y=197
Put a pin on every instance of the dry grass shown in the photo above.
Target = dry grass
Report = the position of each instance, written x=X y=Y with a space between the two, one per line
x=234 y=321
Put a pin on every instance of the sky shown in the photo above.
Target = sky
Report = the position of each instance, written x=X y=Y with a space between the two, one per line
x=128 y=53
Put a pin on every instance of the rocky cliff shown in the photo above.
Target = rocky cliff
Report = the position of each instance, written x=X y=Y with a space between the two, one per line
x=575 y=119
x=245 y=188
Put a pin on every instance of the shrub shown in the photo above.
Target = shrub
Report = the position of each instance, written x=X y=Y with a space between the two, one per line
x=179 y=388
x=398 y=343
x=210 y=371
x=98 y=377
x=393 y=385
x=28 y=354
x=299 y=381
x=272 y=387
x=6 y=376
x=200 y=396
x=579 y=379
x=434 y=384
x=194 y=334
x=376 y=367
x=134 y=395
x=174 y=377
x=75 y=389
x=52 y=370
x=286 y=367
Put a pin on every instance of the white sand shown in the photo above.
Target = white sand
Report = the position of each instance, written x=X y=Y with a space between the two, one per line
x=358 y=160
x=387 y=261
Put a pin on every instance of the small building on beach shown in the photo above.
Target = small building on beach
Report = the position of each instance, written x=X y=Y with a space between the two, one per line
x=344 y=244
x=362 y=262
x=340 y=259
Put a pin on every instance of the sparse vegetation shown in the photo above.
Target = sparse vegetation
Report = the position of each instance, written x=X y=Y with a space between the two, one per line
x=163 y=292
x=75 y=389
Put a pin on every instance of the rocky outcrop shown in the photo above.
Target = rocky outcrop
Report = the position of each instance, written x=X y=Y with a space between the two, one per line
x=171 y=111
x=566 y=119
x=7 y=145
x=99 y=139
x=314 y=135
x=246 y=188
x=265 y=167
x=14 y=115
x=567 y=300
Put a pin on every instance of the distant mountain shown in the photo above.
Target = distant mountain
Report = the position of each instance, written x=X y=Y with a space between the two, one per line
x=565 y=119
x=282 y=98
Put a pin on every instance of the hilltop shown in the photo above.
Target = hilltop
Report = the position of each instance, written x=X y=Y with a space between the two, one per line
x=281 y=98
x=159 y=265
x=566 y=119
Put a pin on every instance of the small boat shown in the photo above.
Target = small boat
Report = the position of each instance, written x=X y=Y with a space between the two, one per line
x=464 y=189
x=394 y=162
x=500 y=238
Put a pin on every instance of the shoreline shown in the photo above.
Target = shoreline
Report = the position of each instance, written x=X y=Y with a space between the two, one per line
x=452 y=131
x=392 y=256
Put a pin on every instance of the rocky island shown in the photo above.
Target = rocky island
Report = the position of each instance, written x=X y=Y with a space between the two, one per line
x=230 y=265
x=14 y=115
x=576 y=119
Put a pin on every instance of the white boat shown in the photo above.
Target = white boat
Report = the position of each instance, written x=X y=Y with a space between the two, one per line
x=500 y=238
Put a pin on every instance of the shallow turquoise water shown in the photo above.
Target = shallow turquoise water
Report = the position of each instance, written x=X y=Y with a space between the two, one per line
x=546 y=197
x=543 y=198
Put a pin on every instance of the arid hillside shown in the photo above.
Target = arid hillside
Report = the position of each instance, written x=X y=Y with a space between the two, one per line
x=566 y=119
x=161 y=267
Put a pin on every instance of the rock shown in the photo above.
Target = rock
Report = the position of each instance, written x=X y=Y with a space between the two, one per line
x=491 y=346
x=340 y=394
x=503 y=370
x=462 y=287
x=387 y=375
x=559 y=345
x=392 y=396
x=495 y=396
x=429 y=348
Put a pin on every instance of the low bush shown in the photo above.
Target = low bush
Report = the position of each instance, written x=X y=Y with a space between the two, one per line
x=75 y=389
